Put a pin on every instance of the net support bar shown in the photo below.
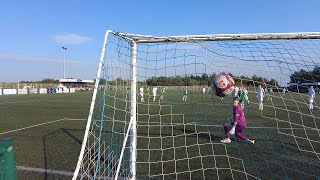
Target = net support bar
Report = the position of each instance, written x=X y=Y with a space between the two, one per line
x=86 y=134
x=132 y=128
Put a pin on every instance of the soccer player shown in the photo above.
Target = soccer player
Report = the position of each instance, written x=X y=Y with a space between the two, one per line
x=283 y=91
x=163 y=90
x=260 y=95
x=237 y=126
x=246 y=95
x=312 y=94
x=209 y=90
x=185 y=95
x=147 y=88
x=243 y=96
x=266 y=90
x=154 y=93
x=141 y=94
x=236 y=91
x=270 y=94
x=203 y=90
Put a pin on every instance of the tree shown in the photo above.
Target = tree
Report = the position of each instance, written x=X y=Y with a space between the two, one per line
x=274 y=82
x=46 y=80
x=303 y=75
x=102 y=81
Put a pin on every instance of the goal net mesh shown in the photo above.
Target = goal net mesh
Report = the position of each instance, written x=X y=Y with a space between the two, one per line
x=179 y=139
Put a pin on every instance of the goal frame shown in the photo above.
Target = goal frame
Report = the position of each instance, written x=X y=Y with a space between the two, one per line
x=135 y=39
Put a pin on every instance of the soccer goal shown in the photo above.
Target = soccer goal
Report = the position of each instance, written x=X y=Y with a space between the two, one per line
x=174 y=131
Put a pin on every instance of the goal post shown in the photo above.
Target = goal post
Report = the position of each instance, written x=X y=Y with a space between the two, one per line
x=150 y=117
x=133 y=109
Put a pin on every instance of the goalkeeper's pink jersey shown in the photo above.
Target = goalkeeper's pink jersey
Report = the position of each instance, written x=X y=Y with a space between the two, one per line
x=238 y=116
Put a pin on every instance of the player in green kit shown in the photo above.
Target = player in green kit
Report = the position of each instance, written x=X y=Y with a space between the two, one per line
x=163 y=90
x=209 y=91
x=241 y=97
x=185 y=95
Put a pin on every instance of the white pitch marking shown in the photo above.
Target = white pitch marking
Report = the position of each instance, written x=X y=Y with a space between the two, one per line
x=63 y=119
x=41 y=170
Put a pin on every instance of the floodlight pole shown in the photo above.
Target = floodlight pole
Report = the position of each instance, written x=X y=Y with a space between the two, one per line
x=64 y=61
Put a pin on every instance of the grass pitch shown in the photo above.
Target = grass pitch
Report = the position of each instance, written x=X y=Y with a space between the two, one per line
x=55 y=145
x=181 y=146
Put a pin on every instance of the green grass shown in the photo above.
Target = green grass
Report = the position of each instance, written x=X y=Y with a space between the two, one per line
x=175 y=140
x=51 y=146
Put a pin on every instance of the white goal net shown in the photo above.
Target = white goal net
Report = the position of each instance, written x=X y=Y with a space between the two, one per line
x=154 y=115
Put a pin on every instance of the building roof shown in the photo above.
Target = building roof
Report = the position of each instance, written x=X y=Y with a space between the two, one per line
x=75 y=81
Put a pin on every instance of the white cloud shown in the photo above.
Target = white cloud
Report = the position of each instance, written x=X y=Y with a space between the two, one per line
x=71 y=39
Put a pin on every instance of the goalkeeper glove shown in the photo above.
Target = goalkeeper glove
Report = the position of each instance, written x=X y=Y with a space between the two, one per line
x=233 y=130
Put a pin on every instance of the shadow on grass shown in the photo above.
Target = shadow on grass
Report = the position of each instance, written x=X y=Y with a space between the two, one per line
x=70 y=135
x=49 y=140
x=268 y=153
x=79 y=141
x=67 y=137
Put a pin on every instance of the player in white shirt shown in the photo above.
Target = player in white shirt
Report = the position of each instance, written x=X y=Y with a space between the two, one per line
x=260 y=96
x=236 y=91
x=154 y=92
x=283 y=91
x=246 y=95
x=311 y=97
x=203 y=90
x=141 y=94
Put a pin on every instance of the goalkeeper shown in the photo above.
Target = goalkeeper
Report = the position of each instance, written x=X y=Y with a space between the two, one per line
x=237 y=126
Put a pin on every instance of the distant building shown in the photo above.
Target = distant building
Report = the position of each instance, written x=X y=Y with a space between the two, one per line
x=78 y=84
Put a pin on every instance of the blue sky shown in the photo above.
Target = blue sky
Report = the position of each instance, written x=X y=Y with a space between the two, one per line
x=32 y=32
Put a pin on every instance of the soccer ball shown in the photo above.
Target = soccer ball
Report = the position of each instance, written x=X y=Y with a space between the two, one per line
x=223 y=84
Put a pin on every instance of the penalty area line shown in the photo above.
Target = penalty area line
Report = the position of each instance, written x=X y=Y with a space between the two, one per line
x=41 y=170
x=41 y=124
x=11 y=102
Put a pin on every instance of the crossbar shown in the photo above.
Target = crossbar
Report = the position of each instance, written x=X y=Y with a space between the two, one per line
x=219 y=37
